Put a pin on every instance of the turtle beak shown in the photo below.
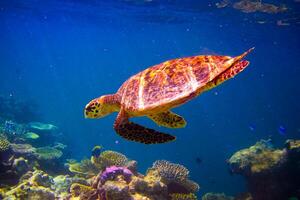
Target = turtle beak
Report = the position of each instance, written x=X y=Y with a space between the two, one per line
x=86 y=111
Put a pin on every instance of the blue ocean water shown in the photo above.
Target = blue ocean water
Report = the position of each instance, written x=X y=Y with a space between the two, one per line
x=61 y=54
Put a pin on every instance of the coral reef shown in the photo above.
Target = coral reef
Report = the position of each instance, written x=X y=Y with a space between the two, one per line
x=13 y=162
x=163 y=181
x=23 y=157
x=39 y=185
x=33 y=185
x=216 y=196
x=26 y=147
x=270 y=173
x=108 y=175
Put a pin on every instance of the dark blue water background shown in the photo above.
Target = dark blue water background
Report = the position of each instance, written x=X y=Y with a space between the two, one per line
x=62 y=54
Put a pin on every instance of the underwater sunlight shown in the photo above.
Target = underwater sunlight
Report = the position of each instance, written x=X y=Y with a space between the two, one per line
x=149 y=100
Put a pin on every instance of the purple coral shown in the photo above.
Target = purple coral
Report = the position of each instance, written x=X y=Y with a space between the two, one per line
x=111 y=172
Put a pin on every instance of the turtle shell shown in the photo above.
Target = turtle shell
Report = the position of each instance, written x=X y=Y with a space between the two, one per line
x=170 y=83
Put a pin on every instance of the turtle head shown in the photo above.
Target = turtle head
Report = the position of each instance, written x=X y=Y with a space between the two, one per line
x=102 y=106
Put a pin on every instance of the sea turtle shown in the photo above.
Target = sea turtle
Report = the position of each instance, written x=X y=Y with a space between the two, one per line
x=156 y=90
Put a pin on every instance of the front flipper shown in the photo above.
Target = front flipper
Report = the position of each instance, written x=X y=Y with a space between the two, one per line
x=168 y=119
x=138 y=133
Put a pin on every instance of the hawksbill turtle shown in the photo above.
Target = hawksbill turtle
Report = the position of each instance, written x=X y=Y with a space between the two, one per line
x=156 y=90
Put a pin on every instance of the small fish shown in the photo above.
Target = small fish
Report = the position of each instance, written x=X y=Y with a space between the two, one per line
x=31 y=135
x=261 y=22
x=198 y=160
x=252 y=127
x=282 y=130
x=97 y=150
x=282 y=23
x=222 y=4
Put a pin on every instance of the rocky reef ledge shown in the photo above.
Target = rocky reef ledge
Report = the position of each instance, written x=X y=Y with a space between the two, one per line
x=271 y=174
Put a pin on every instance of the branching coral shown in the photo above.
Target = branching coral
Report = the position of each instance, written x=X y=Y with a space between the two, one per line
x=170 y=171
x=5 y=151
x=110 y=158
x=4 y=144
x=175 y=176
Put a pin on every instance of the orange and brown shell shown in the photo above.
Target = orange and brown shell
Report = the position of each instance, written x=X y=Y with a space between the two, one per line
x=172 y=83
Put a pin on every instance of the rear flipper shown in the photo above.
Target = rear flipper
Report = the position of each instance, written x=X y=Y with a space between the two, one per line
x=138 y=133
x=168 y=119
